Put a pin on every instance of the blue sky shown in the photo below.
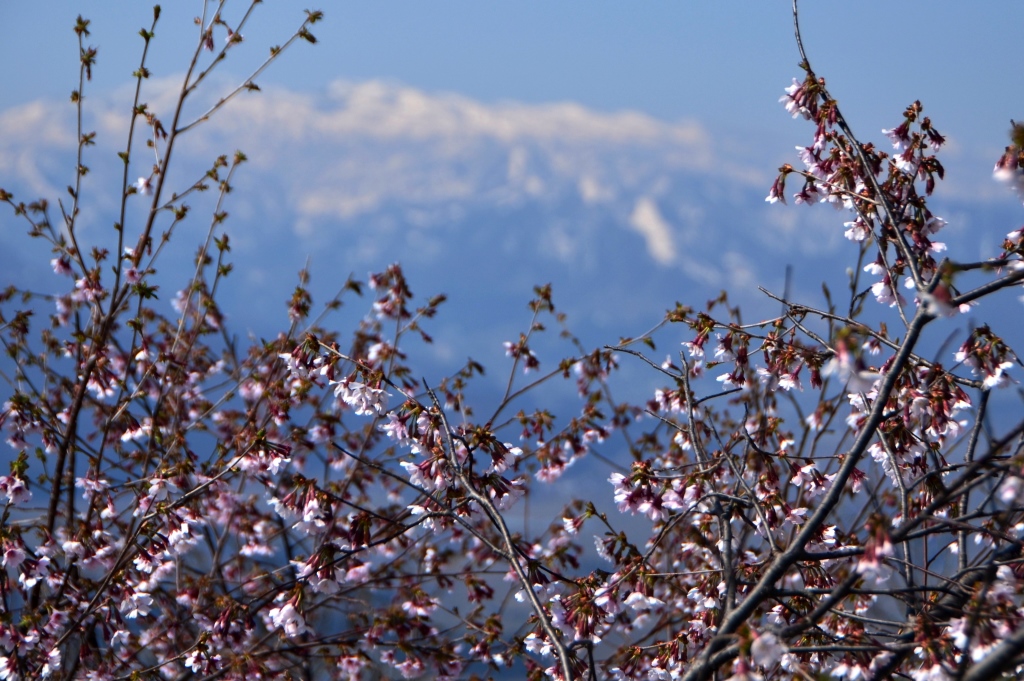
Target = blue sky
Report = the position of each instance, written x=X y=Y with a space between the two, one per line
x=723 y=63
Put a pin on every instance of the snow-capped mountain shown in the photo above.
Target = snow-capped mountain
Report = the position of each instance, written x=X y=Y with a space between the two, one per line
x=623 y=213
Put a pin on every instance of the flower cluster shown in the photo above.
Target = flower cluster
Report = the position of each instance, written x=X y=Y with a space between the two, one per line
x=809 y=495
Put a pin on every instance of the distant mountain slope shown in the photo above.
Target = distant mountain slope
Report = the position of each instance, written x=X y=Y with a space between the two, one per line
x=625 y=214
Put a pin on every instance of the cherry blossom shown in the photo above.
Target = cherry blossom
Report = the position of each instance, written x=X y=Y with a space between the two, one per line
x=829 y=490
x=362 y=398
x=287 y=618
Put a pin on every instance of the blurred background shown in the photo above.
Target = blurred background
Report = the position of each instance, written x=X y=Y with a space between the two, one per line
x=620 y=152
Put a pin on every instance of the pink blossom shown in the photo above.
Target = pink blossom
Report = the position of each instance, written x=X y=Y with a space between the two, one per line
x=9 y=668
x=410 y=668
x=351 y=667
x=885 y=293
x=795 y=100
x=52 y=664
x=138 y=604
x=1008 y=171
x=934 y=672
x=743 y=672
x=695 y=348
x=777 y=193
x=899 y=136
x=851 y=370
x=850 y=671
x=14 y=555
x=62 y=266
x=858 y=230
x=766 y=649
x=14 y=490
x=288 y=619
x=638 y=601
x=358 y=573
x=362 y=398
x=872 y=564
x=1011 y=490
x=795 y=516
x=86 y=290
x=421 y=606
